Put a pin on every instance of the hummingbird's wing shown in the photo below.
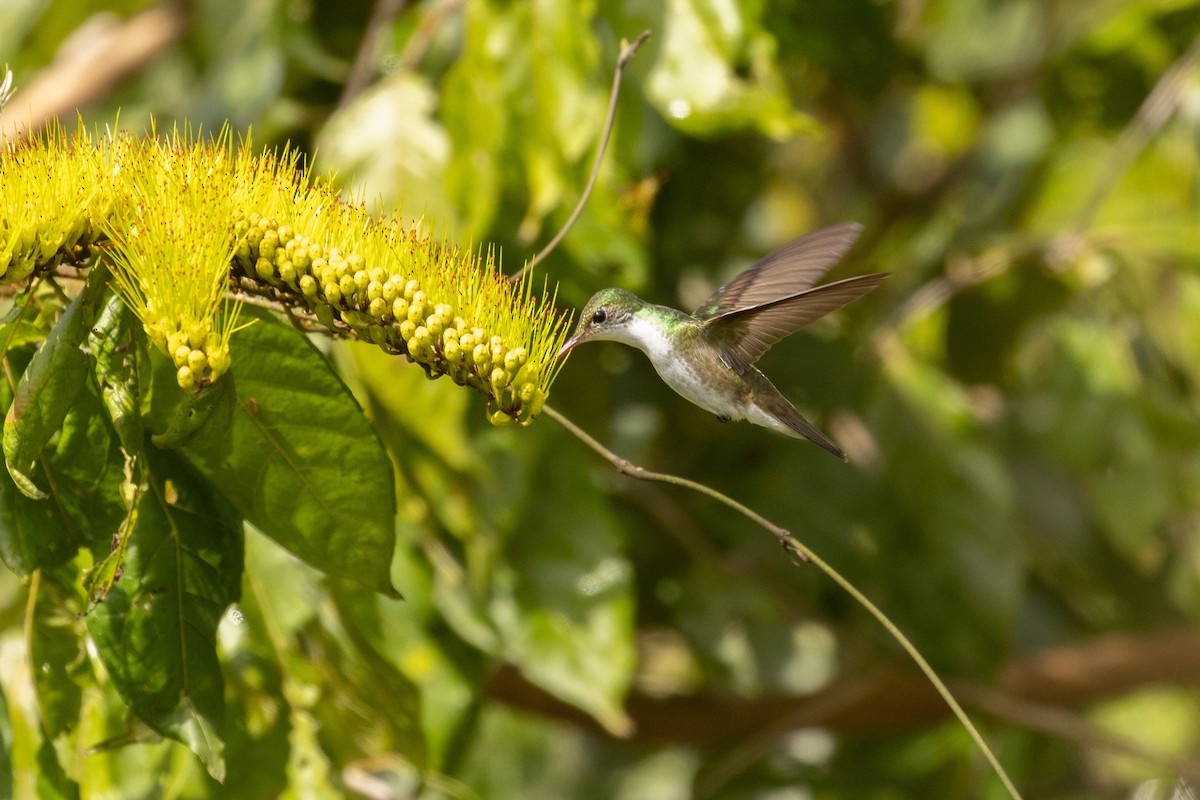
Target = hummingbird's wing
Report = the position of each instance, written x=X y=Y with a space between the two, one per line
x=786 y=272
x=750 y=332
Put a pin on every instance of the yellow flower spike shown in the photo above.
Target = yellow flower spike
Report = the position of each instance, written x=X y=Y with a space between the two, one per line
x=180 y=212
x=172 y=208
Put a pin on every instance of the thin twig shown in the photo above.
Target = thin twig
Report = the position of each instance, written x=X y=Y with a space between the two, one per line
x=1151 y=116
x=803 y=553
x=628 y=49
x=360 y=73
x=626 y=467
x=428 y=26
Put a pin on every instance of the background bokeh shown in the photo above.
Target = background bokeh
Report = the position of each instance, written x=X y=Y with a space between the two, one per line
x=1019 y=402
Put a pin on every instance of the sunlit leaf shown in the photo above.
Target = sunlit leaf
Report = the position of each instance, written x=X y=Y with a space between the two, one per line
x=49 y=386
x=156 y=629
x=299 y=461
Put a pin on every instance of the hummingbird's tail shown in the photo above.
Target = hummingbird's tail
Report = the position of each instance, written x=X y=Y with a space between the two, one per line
x=772 y=410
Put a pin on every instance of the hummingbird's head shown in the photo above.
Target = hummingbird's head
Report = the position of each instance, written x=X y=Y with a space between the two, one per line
x=606 y=317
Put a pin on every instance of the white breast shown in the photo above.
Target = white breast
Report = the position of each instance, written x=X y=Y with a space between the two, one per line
x=677 y=373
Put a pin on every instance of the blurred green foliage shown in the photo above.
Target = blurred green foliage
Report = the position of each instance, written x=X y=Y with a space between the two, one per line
x=1020 y=404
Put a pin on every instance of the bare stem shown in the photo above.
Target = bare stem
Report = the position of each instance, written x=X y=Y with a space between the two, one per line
x=360 y=74
x=628 y=49
x=802 y=553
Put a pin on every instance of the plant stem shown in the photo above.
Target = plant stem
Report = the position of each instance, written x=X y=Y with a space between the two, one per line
x=802 y=553
x=628 y=49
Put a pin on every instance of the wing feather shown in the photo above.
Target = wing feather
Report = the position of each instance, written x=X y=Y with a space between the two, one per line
x=750 y=332
x=786 y=272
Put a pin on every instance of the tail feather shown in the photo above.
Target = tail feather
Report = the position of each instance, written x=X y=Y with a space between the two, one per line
x=771 y=401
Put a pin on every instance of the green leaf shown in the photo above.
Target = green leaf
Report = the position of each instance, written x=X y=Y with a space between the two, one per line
x=156 y=630
x=300 y=461
x=563 y=604
x=49 y=386
x=84 y=470
x=113 y=341
x=696 y=81
x=33 y=533
x=195 y=412
x=56 y=647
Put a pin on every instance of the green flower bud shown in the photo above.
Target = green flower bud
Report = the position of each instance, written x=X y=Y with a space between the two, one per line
x=450 y=334
x=333 y=294
x=419 y=298
x=400 y=309
x=308 y=286
x=534 y=405
x=466 y=341
x=499 y=379
x=287 y=273
x=355 y=262
x=242 y=251
x=197 y=360
x=362 y=279
x=410 y=289
x=391 y=292
x=500 y=419
x=528 y=373
x=180 y=356
x=301 y=260
x=198 y=334
x=416 y=313
x=268 y=245
x=378 y=274
x=514 y=358
x=482 y=358
x=285 y=233
x=526 y=392
x=186 y=378
x=176 y=340
x=436 y=324
x=421 y=334
x=348 y=287
x=374 y=291
x=264 y=269
x=218 y=360
x=452 y=351
x=407 y=329
x=378 y=308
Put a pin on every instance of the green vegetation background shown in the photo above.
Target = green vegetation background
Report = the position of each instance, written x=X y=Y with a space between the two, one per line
x=1020 y=404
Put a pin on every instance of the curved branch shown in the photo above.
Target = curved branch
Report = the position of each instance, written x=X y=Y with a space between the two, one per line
x=801 y=552
x=628 y=50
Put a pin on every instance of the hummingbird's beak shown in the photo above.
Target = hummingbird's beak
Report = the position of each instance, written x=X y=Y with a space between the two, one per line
x=570 y=345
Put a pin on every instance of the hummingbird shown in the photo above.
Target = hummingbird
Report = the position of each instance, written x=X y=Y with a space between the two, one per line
x=708 y=356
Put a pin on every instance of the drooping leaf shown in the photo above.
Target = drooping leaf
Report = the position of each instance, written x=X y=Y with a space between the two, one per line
x=49 y=386
x=56 y=647
x=299 y=461
x=113 y=341
x=155 y=631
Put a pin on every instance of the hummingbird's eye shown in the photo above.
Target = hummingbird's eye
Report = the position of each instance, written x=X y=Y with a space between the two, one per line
x=599 y=317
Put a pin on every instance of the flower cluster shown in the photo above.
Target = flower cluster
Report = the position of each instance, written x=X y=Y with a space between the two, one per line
x=52 y=187
x=183 y=219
